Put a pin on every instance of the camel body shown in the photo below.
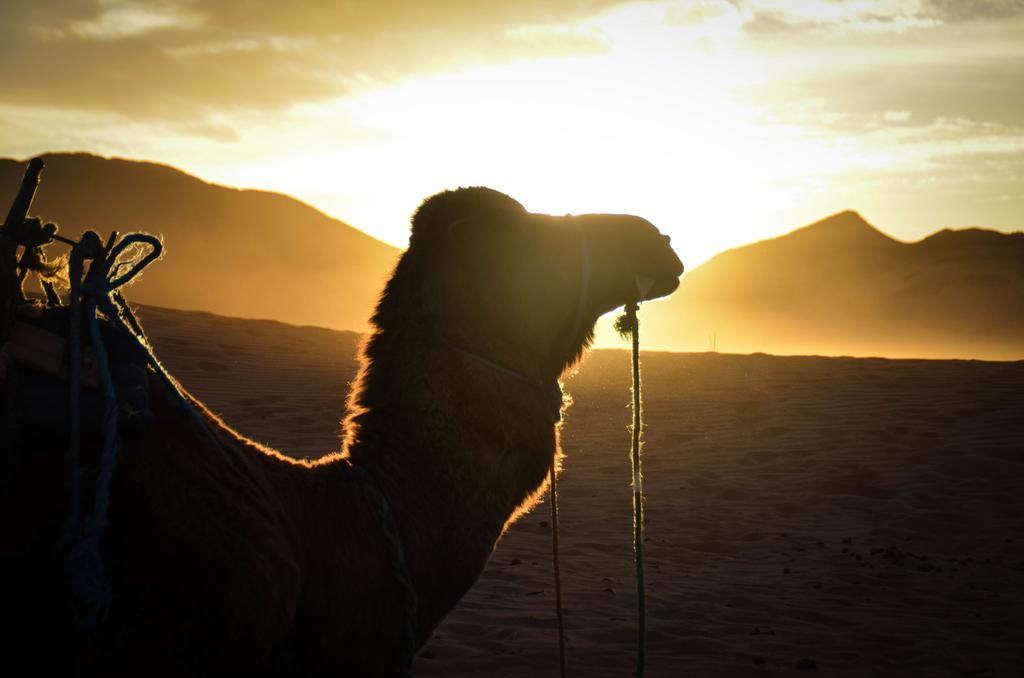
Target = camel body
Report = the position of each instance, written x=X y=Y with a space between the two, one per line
x=229 y=558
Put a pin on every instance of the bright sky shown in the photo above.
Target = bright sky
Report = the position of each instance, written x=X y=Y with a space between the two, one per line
x=722 y=121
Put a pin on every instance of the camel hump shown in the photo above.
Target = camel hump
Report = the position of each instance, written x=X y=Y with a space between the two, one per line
x=211 y=550
x=447 y=207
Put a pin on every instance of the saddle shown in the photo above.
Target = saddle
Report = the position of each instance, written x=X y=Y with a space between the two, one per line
x=38 y=348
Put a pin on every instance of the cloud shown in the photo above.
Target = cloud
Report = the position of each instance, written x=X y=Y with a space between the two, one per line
x=989 y=90
x=767 y=19
x=972 y=10
x=828 y=19
x=896 y=116
x=166 y=59
x=969 y=69
x=119 y=19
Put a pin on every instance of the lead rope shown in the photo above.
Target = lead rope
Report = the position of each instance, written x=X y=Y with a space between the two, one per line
x=558 y=573
x=628 y=323
x=584 y=294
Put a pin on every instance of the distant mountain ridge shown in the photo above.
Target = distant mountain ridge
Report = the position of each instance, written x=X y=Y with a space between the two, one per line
x=838 y=286
x=841 y=286
x=245 y=253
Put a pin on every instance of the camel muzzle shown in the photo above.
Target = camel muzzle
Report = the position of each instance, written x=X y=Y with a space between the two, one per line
x=651 y=284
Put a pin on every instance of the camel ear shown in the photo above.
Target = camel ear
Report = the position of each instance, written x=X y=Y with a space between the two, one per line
x=462 y=230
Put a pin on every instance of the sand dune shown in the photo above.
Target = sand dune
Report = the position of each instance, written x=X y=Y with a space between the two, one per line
x=854 y=517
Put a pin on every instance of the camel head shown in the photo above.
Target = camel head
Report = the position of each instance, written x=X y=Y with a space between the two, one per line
x=519 y=288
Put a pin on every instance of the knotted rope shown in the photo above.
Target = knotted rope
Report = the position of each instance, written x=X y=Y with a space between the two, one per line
x=558 y=572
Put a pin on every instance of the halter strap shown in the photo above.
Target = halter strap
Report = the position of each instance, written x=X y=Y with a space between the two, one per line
x=584 y=288
x=553 y=390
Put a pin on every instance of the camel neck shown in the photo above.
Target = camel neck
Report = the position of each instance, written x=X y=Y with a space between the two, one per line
x=424 y=406
x=457 y=447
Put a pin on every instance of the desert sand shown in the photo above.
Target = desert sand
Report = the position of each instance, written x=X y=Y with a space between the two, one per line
x=838 y=516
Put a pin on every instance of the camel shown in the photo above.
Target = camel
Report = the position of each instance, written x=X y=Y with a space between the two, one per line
x=230 y=558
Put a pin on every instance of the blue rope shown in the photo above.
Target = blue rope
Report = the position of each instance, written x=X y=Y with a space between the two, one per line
x=89 y=580
x=85 y=564
x=75 y=266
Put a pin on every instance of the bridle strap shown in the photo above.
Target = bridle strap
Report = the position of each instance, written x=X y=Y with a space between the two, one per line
x=584 y=286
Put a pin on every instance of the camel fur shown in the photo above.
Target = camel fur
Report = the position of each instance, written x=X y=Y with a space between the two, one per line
x=233 y=559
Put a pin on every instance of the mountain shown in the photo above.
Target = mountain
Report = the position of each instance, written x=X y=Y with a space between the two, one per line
x=836 y=287
x=840 y=286
x=235 y=252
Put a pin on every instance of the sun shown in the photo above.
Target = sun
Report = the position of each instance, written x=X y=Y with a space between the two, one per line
x=581 y=135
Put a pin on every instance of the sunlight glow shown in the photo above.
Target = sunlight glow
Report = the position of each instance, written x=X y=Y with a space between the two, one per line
x=648 y=128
